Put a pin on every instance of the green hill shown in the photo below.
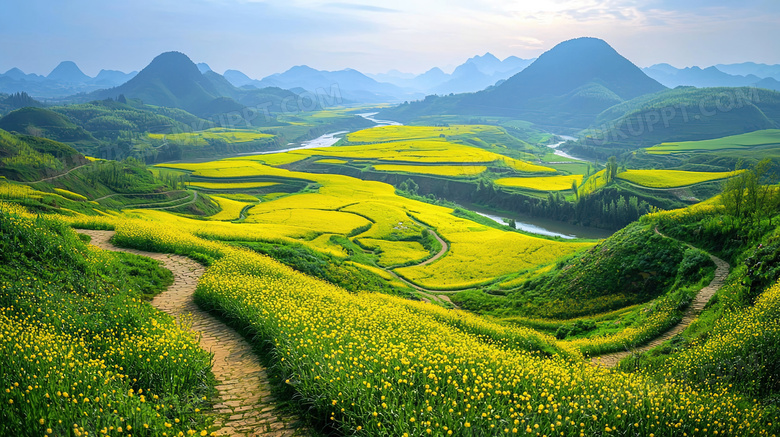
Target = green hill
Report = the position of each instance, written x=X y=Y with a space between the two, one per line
x=46 y=123
x=27 y=158
x=107 y=119
x=681 y=114
x=633 y=266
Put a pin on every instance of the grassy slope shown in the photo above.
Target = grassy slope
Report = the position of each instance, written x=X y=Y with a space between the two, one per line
x=635 y=265
x=78 y=341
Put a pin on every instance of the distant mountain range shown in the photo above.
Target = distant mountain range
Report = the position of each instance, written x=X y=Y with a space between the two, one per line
x=568 y=86
x=475 y=74
x=65 y=80
x=352 y=85
x=716 y=76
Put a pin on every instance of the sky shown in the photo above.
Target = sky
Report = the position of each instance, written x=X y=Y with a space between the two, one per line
x=262 y=37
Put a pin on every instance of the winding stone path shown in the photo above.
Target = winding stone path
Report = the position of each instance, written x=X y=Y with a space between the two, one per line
x=246 y=407
x=692 y=313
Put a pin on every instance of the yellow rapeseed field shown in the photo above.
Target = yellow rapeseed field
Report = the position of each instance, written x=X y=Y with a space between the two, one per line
x=441 y=170
x=477 y=254
x=397 y=133
x=594 y=182
x=231 y=185
x=384 y=366
x=200 y=138
x=231 y=209
x=396 y=252
x=316 y=220
x=671 y=178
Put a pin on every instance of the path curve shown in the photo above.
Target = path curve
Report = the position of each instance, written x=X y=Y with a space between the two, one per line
x=247 y=407
x=151 y=205
x=692 y=313
x=429 y=295
x=59 y=175
x=444 y=248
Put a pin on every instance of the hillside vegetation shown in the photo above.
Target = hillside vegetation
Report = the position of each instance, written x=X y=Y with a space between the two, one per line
x=81 y=348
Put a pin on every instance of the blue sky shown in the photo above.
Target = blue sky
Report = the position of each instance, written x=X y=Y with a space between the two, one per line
x=261 y=37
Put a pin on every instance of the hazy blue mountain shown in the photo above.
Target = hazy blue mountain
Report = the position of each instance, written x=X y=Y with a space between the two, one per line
x=68 y=72
x=480 y=72
x=467 y=77
x=565 y=87
x=392 y=76
x=515 y=64
x=223 y=86
x=237 y=78
x=431 y=78
x=17 y=74
x=112 y=78
x=698 y=77
x=65 y=80
x=769 y=83
x=477 y=73
x=203 y=67
x=350 y=84
x=747 y=68
x=487 y=63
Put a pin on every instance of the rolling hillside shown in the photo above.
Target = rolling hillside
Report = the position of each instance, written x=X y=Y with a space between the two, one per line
x=681 y=114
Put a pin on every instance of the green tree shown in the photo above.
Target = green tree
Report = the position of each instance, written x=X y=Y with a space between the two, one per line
x=612 y=169
x=747 y=198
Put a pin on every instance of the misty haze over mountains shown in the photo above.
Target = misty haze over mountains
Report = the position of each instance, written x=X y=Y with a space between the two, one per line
x=476 y=74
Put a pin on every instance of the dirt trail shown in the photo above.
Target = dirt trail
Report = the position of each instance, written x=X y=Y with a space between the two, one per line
x=57 y=176
x=247 y=407
x=428 y=294
x=444 y=248
x=692 y=313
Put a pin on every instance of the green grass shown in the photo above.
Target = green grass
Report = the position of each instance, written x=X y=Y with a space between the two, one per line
x=766 y=137
x=81 y=350
x=319 y=265
x=633 y=266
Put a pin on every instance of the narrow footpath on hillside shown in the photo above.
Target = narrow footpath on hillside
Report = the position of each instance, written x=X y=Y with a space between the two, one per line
x=246 y=407
x=57 y=176
x=692 y=313
x=427 y=294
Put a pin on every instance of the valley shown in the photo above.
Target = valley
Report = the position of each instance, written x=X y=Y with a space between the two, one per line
x=532 y=250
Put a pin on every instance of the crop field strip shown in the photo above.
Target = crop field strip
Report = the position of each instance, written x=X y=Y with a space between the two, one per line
x=671 y=178
x=757 y=139
x=246 y=404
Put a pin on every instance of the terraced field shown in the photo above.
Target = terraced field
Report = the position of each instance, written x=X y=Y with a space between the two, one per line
x=671 y=178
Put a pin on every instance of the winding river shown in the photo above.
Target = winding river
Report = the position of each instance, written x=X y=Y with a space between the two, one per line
x=540 y=226
x=561 y=153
